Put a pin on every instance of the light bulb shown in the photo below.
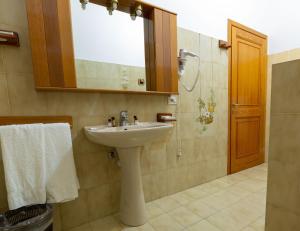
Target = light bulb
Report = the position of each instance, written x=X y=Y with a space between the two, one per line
x=115 y=5
x=139 y=10
x=84 y=3
x=133 y=16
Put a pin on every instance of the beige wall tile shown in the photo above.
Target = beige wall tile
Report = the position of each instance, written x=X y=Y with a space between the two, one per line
x=281 y=219
x=205 y=48
x=158 y=157
x=5 y=108
x=177 y=179
x=294 y=54
x=3 y=193
x=57 y=218
x=285 y=77
x=93 y=169
x=23 y=98
x=99 y=201
x=75 y=213
x=159 y=185
x=19 y=18
x=2 y=68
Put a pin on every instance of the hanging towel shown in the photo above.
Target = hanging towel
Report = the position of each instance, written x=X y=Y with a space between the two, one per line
x=62 y=182
x=23 y=148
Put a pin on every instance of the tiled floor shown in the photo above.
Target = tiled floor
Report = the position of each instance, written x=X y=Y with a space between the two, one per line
x=232 y=203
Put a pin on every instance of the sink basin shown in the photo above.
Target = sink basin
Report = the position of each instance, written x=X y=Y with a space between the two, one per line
x=129 y=140
x=128 y=136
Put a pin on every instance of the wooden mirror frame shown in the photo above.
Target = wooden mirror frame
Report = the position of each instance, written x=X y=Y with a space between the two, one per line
x=52 y=47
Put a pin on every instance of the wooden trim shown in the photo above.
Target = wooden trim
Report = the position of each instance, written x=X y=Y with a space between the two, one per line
x=173 y=54
x=247 y=29
x=38 y=43
x=229 y=39
x=66 y=43
x=159 y=50
x=52 y=35
x=163 y=46
x=53 y=48
x=11 y=120
x=149 y=52
x=104 y=91
x=126 y=5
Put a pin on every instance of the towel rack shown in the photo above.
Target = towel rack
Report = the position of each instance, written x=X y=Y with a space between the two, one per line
x=10 y=120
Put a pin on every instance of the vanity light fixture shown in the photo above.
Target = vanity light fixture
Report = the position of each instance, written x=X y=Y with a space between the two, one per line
x=113 y=5
x=137 y=11
x=133 y=15
x=84 y=3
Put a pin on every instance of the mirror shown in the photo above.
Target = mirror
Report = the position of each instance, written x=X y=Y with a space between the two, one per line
x=109 y=49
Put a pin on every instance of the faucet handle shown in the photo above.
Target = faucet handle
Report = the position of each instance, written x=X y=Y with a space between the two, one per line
x=124 y=114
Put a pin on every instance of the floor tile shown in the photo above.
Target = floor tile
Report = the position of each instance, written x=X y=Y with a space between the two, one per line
x=236 y=217
x=195 y=193
x=153 y=210
x=221 y=200
x=259 y=224
x=238 y=191
x=167 y=204
x=165 y=223
x=146 y=227
x=203 y=226
x=85 y=227
x=201 y=209
x=234 y=178
x=184 y=216
x=214 y=186
x=182 y=198
x=252 y=185
x=248 y=228
x=107 y=224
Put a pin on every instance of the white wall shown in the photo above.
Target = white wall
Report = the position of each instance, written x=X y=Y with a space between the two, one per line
x=279 y=19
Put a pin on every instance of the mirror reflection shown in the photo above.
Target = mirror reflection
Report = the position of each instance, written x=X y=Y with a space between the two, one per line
x=109 y=49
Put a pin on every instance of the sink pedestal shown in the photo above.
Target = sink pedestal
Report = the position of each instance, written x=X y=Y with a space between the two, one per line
x=132 y=208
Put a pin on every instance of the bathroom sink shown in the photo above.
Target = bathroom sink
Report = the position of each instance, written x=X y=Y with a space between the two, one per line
x=129 y=140
x=128 y=136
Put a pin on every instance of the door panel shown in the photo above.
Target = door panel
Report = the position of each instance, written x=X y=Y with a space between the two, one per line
x=247 y=97
x=248 y=87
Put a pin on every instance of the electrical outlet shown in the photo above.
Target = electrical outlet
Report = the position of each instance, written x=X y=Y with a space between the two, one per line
x=172 y=100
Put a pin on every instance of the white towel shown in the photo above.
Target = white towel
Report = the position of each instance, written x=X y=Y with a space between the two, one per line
x=62 y=182
x=23 y=148
x=38 y=163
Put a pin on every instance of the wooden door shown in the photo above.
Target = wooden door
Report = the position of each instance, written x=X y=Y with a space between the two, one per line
x=248 y=65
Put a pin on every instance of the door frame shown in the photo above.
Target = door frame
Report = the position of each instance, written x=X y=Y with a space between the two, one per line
x=230 y=24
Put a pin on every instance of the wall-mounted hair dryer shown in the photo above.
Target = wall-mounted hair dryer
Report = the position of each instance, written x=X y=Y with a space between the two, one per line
x=182 y=59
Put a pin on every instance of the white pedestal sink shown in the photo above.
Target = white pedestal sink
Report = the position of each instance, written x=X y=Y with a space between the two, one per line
x=128 y=141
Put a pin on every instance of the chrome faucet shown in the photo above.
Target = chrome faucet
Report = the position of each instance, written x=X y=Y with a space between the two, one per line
x=124 y=118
